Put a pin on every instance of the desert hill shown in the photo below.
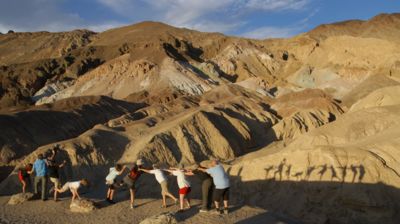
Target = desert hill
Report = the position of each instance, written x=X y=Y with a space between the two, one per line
x=306 y=126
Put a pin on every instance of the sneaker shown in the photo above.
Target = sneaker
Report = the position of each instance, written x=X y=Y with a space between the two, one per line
x=203 y=210
x=226 y=211
x=132 y=206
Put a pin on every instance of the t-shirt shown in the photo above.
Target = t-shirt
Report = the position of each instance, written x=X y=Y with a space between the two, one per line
x=112 y=175
x=181 y=178
x=40 y=168
x=160 y=176
x=220 y=178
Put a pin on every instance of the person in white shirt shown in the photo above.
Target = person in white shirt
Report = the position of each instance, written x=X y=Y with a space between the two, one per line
x=162 y=180
x=73 y=186
x=110 y=181
x=183 y=184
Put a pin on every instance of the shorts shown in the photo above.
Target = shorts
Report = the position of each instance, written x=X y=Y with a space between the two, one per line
x=220 y=194
x=56 y=182
x=111 y=185
x=130 y=183
x=185 y=190
x=65 y=188
x=164 y=188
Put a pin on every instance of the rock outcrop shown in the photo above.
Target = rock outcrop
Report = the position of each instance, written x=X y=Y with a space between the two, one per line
x=82 y=206
x=20 y=198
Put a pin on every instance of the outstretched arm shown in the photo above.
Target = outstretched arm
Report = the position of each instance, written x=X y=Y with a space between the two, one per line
x=77 y=194
x=145 y=170
x=122 y=170
x=62 y=164
x=31 y=171
x=189 y=173
x=169 y=170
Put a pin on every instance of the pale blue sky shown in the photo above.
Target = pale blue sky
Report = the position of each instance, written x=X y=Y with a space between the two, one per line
x=250 y=18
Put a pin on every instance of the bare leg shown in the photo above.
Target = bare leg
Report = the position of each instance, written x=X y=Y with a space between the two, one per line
x=132 y=196
x=23 y=186
x=73 y=195
x=164 y=202
x=225 y=204
x=108 y=193
x=188 y=201
x=55 y=194
x=216 y=205
x=111 y=194
x=171 y=196
x=181 y=200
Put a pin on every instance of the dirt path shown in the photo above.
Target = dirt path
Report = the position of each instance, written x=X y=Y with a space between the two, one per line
x=57 y=212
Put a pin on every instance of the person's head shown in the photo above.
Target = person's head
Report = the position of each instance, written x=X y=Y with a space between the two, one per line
x=40 y=156
x=156 y=167
x=118 y=167
x=29 y=166
x=84 y=182
x=194 y=166
x=214 y=162
x=139 y=162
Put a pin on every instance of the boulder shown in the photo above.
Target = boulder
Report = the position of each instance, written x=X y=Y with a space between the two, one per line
x=82 y=206
x=20 y=198
x=163 y=218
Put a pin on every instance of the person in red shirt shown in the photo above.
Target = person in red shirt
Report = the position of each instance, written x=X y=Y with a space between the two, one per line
x=24 y=177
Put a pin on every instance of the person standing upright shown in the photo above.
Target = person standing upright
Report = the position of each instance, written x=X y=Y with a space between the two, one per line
x=207 y=188
x=52 y=170
x=221 y=181
x=40 y=169
x=183 y=184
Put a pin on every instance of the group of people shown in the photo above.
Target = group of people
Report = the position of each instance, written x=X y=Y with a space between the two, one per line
x=214 y=182
x=45 y=167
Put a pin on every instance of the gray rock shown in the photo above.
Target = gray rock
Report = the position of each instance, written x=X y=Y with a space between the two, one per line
x=82 y=206
x=20 y=198
x=163 y=218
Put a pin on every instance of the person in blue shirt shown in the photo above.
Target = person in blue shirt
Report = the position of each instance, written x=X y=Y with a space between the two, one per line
x=221 y=182
x=40 y=169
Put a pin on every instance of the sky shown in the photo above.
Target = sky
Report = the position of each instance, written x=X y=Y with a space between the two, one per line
x=248 y=18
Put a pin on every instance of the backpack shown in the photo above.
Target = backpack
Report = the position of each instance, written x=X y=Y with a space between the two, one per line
x=134 y=173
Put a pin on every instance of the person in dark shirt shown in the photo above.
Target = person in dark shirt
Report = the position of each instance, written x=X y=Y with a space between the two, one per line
x=131 y=178
x=207 y=188
x=52 y=170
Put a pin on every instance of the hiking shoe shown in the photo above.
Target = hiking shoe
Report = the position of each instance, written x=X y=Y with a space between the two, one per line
x=226 y=211
x=203 y=210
